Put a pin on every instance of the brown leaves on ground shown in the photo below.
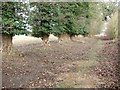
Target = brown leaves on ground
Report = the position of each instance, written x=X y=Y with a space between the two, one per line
x=108 y=68
x=46 y=67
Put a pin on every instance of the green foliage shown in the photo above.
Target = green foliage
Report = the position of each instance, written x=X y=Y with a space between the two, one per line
x=58 y=18
x=41 y=19
x=72 y=18
x=55 y=18
x=12 y=23
x=73 y=14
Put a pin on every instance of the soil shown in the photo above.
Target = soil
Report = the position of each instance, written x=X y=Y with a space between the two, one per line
x=60 y=65
x=108 y=68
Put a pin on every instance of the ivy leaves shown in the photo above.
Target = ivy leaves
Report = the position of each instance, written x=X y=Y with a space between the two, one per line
x=12 y=23
x=57 y=18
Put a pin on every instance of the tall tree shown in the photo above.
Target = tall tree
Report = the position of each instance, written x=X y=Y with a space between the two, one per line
x=12 y=23
x=68 y=16
x=41 y=20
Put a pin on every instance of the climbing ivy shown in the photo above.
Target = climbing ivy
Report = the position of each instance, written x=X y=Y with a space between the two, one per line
x=58 y=18
x=41 y=19
x=12 y=20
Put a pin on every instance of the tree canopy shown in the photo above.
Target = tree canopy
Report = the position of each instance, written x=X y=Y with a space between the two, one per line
x=55 y=18
x=58 y=18
x=13 y=21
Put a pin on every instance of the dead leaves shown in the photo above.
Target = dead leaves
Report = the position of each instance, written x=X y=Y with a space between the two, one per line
x=108 y=68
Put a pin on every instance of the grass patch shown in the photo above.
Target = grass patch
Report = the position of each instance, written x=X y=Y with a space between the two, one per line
x=91 y=63
x=77 y=86
x=44 y=50
x=81 y=57
x=99 y=42
x=87 y=65
x=67 y=86
x=84 y=65
x=87 y=38
x=83 y=69
x=62 y=86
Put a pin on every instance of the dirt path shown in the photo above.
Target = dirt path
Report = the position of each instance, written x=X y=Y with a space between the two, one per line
x=62 y=65
x=81 y=75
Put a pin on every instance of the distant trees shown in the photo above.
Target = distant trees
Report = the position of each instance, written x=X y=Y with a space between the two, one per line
x=109 y=9
x=98 y=13
x=95 y=14
x=112 y=30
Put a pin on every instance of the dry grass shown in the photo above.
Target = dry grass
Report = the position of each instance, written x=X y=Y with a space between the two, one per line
x=79 y=79
x=25 y=40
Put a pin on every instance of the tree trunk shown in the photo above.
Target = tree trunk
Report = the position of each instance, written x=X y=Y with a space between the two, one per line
x=72 y=37
x=45 y=39
x=63 y=37
x=7 y=45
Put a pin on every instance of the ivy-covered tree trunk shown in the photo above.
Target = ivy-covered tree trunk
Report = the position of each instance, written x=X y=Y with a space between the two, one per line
x=7 y=45
x=63 y=37
x=12 y=24
x=45 y=39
